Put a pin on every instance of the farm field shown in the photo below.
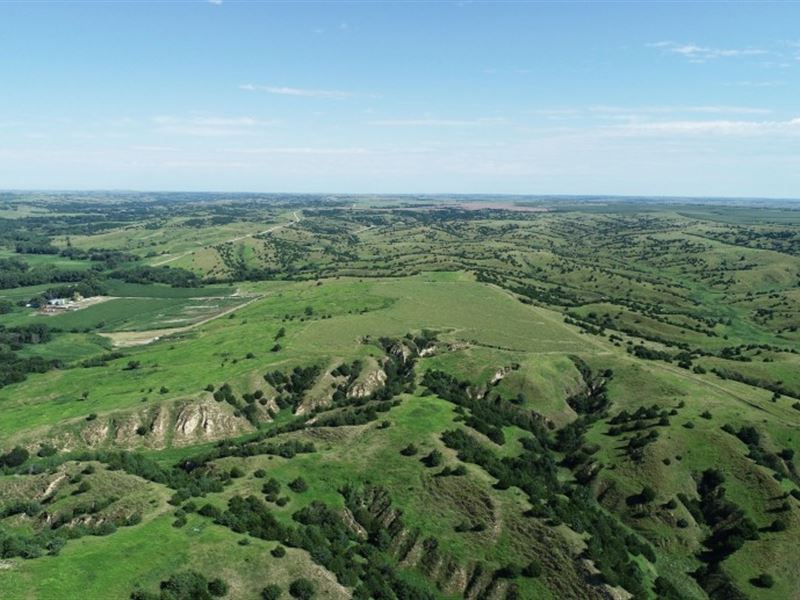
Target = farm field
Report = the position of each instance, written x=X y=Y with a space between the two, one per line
x=399 y=397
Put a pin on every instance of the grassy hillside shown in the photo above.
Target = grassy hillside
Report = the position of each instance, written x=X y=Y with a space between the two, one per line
x=588 y=401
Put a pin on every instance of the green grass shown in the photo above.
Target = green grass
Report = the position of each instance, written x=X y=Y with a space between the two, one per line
x=69 y=347
x=658 y=271
x=140 y=290
x=462 y=309
x=112 y=567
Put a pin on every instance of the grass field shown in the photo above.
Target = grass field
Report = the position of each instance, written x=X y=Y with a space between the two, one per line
x=535 y=315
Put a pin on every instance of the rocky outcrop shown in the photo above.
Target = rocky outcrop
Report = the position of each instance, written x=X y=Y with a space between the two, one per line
x=179 y=423
x=95 y=432
x=204 y=421
x=371 y=379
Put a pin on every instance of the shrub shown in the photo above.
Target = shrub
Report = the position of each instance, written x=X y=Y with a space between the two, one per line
x=298 y=485
x=46 y=450
x=778 y=525
x=16 y=457
x=509 y=572
x=533 y=569
x=434 y=459
x=217 y=587
x=409 y=450
x=278 y=552
x=187 y=585
x=271 y=592
x=302 y=589
x=179 y=522
x=763 y=581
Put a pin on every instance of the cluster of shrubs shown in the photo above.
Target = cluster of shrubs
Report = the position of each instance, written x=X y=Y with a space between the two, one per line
x=322 y=532
x=487 y=415
x=781 y=463
x=15 y=368
x=186 y=585
x=293 y=386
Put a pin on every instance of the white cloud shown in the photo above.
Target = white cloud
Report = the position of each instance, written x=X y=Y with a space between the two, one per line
x=710 y=109
x=292 y=91
x=695 y=53
x=215 y=2
x=299 y=150
x=712 y=127
x=428 y=122
x=210 y=125
x=204 y=164
x=146 y=148
x=643 y=113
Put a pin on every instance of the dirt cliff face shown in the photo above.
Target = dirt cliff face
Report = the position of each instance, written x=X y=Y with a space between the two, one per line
x=178 y=423
x=205 y=421
x=369 y=381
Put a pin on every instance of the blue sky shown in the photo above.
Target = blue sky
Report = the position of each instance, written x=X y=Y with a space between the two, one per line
x=540 y=98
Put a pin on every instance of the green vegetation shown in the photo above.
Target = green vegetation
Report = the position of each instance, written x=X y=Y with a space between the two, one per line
x=290 y=397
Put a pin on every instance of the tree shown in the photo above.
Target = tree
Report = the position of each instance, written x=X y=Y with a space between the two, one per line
x=409 y=450
x=302 y=589
x=647 y=494
x=298 y=485
x=271 y=592
x=763 y=581
x=533 y=569
x=510 y=571
x=17 y=456
x=217 y=587
x=434 y=459
x=187 y=585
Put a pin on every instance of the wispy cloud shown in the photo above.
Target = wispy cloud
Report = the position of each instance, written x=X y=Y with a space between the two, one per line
x=428 y=122
x=215 y=2
x=602 y=111
x=293 y=91
x=148 y=148
x=291 y=150
x=210 y=125
x=699 y=54
x=708 y=109
x=710 y=127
